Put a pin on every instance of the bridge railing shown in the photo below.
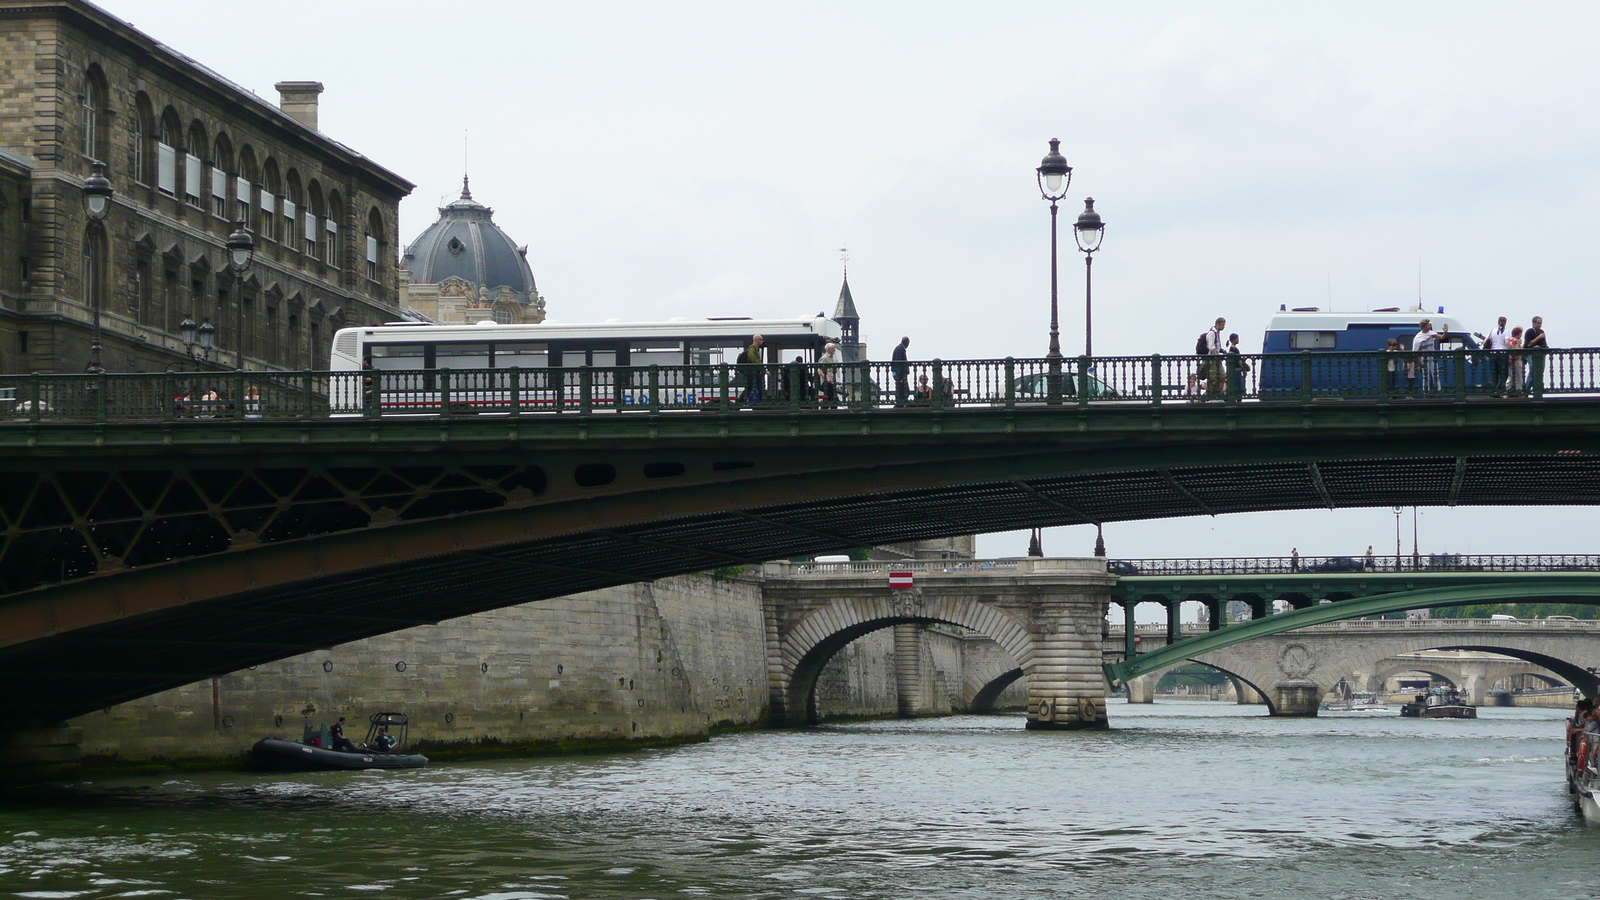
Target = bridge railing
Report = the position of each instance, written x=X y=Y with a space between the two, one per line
x=799 y=387
x=1421 y=563
x=1191 y=629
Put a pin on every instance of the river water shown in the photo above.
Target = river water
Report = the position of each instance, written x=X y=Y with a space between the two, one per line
x=1178 y=800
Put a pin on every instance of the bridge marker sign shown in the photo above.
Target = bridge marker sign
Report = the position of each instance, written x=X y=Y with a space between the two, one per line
x=899 y=580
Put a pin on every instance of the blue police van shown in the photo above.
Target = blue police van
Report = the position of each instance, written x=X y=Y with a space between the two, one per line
x=1308 y=350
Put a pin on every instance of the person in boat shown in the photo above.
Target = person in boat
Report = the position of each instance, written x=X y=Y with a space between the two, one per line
x=340 y=742
x=384 y=742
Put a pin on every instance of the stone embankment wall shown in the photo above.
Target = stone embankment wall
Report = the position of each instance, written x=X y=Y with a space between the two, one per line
x=657 y=662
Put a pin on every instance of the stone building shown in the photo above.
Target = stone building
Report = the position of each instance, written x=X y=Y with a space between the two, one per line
x=463 y=269
x=188 y=154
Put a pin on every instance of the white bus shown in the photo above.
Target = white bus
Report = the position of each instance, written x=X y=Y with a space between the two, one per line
x=415 y=367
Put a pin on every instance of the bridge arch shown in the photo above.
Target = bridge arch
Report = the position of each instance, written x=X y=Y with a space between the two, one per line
x=985 y=697
x=813 y=640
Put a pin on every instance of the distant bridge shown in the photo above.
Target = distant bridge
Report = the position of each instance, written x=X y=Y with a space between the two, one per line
x=148 y=541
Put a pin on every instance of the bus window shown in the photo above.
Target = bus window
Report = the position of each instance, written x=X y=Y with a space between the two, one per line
x=462 y=356
x=396 y=357
x=602 y=358
x=655 y=353
x=711 y=353
x=522 y=355
x=1312 y=340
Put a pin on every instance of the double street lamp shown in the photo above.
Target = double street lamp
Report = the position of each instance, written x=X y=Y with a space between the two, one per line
x=97 y=194
x=207 y=335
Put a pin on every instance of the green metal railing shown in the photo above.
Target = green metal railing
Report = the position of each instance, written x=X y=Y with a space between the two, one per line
x=935 y=385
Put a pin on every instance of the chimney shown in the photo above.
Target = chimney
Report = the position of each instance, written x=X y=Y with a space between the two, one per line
x=299 y=100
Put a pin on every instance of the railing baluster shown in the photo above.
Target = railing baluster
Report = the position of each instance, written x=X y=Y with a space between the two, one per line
x=1011 y=383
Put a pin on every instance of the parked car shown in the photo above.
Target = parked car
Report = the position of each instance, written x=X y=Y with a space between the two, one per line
x=1036 y=385
x=1337 y=564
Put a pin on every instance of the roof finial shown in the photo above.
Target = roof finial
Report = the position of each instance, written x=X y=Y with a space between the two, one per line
x=466 y=193
x=844 y=257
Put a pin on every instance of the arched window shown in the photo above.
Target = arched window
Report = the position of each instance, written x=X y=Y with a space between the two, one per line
x=221 y=172
x=93 y=114
x=375 y=245
x=243 y=188
x=292 y=200
x=271 y=191
x=167 y=152
x=143 y=130
x=94 y=266
x=311 y=233
x=503 y=314
x=193 y=165
x=330 y=229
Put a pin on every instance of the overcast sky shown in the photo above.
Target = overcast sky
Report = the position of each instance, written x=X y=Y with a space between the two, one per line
x=694 y=159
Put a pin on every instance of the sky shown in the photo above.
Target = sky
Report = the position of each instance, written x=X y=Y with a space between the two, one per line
x=703 y=159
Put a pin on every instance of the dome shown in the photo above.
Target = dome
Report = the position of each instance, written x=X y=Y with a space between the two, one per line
x=466 y=244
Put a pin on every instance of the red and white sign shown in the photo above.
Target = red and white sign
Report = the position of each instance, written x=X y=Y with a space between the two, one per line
x=899 y=580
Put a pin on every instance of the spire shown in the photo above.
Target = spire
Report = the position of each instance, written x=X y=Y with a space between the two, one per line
x=466 y=192
x=846 y=308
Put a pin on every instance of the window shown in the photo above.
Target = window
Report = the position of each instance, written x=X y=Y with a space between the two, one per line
x=137 y=158
x=293 y=360
x=310 y=221
x=462 y=356
x=395 y=357
x=272 y=334
x=141 y=291
x=241 y=195
x=372 y=257
x=521 y=355
x=289 y=213
x=1312 y=340
x=191 y=179
x=219 y=192
x=91 y=122
x=167 y=168
x=332 y=229
x=269 y=215
x=316 y=345
x=502 y=314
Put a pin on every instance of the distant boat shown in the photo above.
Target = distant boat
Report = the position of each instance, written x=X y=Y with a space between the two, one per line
x=1440 y=704
x=383 y=748
x=1361 y=703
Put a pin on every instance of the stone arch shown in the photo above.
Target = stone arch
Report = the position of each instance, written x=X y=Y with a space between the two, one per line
x=1427 y=667
x=814 y=639
x=1549 y=680
x=983 y=699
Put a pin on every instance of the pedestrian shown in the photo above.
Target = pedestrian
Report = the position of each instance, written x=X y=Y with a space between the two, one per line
x=1391 y=366
x=1496 y=342
x=1215 y=348
x=1237 y=367
x=1193 y=390
x=369 y=385
x=901 y=367
x=828 y=375
x=795 y=383
x=1536 y=343
x=1370 y=561
x=750 y=362
x=924 y=391
x=1516 y=364
x=1427 y=368
x=252 y=402
x=1294 y=559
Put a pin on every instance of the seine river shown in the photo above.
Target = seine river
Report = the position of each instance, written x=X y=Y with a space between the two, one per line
x=1179 y=800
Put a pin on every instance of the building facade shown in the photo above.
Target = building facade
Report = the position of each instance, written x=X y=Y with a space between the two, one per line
x=189 y=154
x=463 y=269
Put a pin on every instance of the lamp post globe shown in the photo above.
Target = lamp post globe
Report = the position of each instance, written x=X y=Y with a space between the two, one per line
x=208 y=334
x=97 y=194
x=1089 y=231
x=186 y=332
x=1054 y=176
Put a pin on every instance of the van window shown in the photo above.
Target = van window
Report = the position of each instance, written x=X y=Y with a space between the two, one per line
x=1313 y=340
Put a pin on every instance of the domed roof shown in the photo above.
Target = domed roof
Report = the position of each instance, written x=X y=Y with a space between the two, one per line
x=466 y=243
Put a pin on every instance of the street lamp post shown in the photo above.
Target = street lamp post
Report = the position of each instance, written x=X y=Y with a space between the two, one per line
x=1054 y=176
x=206 y=340
x=1089 y=231
x=241 y=252
x=97 y=193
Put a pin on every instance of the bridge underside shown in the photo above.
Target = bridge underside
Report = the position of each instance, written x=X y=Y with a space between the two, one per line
x=235 y=577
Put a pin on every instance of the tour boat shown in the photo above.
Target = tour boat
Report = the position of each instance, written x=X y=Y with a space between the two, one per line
x=314 y=751
x=1439 y=705
x=1361 y=703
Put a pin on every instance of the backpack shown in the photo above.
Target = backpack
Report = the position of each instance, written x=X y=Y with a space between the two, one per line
x=1202 y=346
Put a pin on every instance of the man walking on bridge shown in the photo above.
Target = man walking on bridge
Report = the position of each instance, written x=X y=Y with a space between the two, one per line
x=901 y=368
x=1215 y=347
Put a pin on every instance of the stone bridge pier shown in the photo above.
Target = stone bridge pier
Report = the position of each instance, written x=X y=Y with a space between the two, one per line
x=1048 y=615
